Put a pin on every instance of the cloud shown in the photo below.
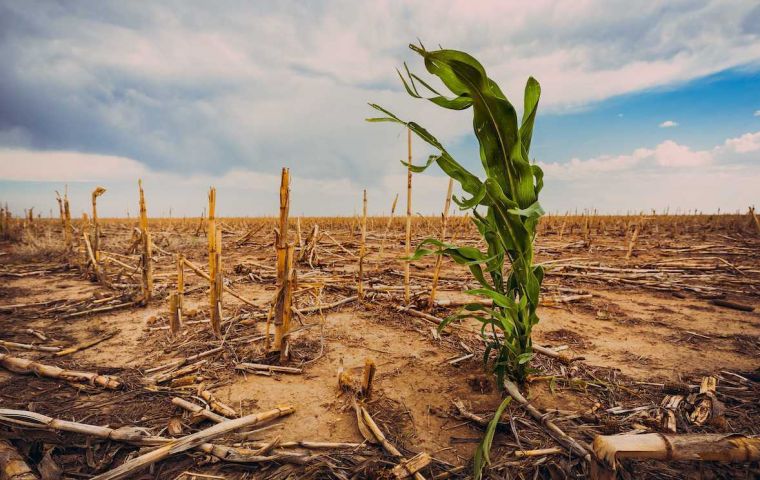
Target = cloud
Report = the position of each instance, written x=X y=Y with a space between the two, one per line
x=671 y=154
x=29 y=178
x=706 y=189
x=757 y=113
x=668 y=124
x=188 y=94
x=58 y=166
x=668 y=175
x=667 y=155
x=749 y=142
x=253 y=86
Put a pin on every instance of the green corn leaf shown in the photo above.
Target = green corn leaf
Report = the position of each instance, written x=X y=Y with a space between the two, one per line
x=462 y=255
x=472 y=202
x=446 y=321
x=495 y=119
x=457 y=103
x=412 y=91
x=533 y=211
x=507 y=325
x=538 y=271
x=419 y=253
x=532 y=94
x=487 y=353
x=474 y=307
x=524 y=358
x=423 y=83
x=440 y=68
x=436 y=242
x=538 y=174
x=421 y=168
x=469 y=182
x=498 y=298
x=379 y=119
x=482 y=453
x=463 y=316
x=477 y=272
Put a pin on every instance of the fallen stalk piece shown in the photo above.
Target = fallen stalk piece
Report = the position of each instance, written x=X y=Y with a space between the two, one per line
x=215 y=404
x=191 y=407
x=24 y=366
x=132 y=435
x=139 y=437
x=184 y=361
x=483 y=422
x=10 y=308
x=245 y=455
x=561 y=437
x=411 y=466
x=191 y=441
x=107 y=308
x=12 y=465
x=302 y=311
x=327 y=306
x=554 y=354
x=380 y=436
x=28 y=346
x=38 y=334
x=537 y=453
x=734 y=448
x=314 y=445
x=171 y=375
x=198 y=410
x=260 y=367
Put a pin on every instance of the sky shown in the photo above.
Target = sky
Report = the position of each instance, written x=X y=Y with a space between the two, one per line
x=645 y=105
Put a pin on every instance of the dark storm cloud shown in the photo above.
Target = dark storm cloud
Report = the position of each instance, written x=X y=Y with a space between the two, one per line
x=210 y=87
x=62 y=101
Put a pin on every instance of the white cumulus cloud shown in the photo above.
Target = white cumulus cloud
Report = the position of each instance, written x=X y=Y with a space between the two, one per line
x=671 y=154
x=669 y=175
x=666 y=155
x=60 y=166
x=749 y=142
x=668 y=124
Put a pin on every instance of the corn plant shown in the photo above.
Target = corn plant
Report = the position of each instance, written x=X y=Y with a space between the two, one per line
x=504 y=206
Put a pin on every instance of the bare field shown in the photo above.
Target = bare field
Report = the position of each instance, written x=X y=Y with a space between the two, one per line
x=683 y=305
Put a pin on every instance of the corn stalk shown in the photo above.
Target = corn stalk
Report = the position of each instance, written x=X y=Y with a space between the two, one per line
x=146 y=256
x=505 y=205
x=507 y=220
x=95 y=240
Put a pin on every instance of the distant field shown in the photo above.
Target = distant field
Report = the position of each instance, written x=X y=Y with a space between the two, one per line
x=664 y=309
